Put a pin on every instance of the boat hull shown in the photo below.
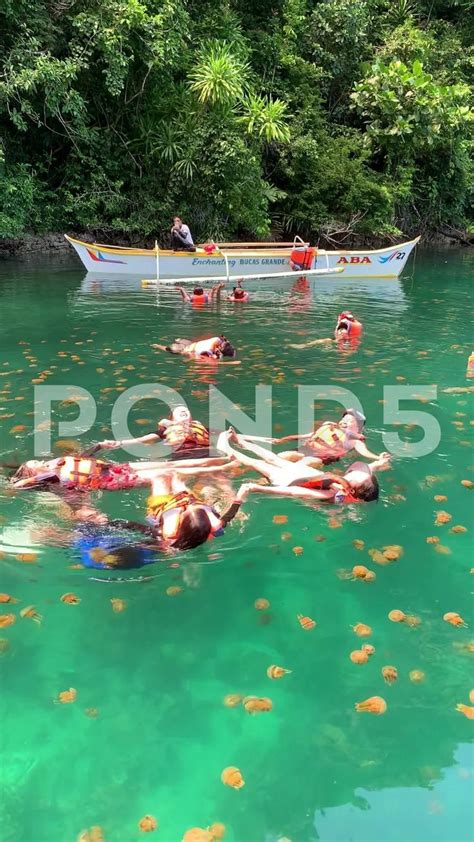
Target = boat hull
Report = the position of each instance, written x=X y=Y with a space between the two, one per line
x=380 y=263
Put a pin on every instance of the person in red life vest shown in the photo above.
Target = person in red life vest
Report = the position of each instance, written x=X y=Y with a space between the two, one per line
x=215 y=348
x=86 y=473
x=77 y=473
x=348 y=331
x=347 y=327
x=200 y=296
x=238 y=294
x=332 y=440
x=184 y=436
x=301 y=479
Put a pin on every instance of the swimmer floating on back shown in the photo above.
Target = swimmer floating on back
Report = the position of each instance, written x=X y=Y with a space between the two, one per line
x=348 y=329
x=302 y=479
x=183 y=435
x=82 y=473
x=332 y=440
x=216 y=348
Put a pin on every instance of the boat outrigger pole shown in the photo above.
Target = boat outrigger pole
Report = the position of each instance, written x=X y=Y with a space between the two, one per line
x=226 y=278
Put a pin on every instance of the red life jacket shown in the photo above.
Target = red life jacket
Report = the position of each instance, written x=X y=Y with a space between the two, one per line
x=302 y=258
x=327 y=483
x=199 y=299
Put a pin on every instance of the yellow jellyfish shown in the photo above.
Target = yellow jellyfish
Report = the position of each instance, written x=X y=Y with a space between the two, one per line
x=390 y=674
x=231 y=776
x=375 y=704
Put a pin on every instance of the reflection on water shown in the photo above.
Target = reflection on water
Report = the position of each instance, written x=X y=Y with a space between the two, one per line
x=155 y=673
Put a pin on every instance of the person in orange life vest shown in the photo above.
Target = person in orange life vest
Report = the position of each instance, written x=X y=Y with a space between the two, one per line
x=200 y=296
x=79 y=473
x=180 y=432
x=300 y=479
x=332 y=440
x=347 y=327
x=181 y=520
x=83 y=473
x=214 y=348
x=348 y=330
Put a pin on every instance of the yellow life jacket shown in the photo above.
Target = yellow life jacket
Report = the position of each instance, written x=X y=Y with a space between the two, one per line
x=187 y=434
x=166 y=511
x=330 y=435
x=78 y=472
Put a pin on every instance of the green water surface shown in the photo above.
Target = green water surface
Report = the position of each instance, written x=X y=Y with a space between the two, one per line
x=157 y=673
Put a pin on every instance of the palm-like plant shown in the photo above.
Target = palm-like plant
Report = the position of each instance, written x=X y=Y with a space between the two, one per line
x=167 y=143
x=220 y=76
x=401 y=11
x=266 y=117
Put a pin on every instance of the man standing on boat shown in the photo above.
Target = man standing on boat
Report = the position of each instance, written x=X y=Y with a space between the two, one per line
x=181 y=239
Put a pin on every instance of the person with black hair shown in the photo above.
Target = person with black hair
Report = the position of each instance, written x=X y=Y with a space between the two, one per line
x=302 y=479
x=214 y=348
x=179 y=519
x=200 y=296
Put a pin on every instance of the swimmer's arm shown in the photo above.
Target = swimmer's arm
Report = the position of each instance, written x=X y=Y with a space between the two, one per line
x=382 y=463
x=363 y=450
x=286 y=491
x=216 y=292
x=203 y=470
x=291 y=438
x=184 y=294
x=311 y=344
x=231 y=512
x=115 y=444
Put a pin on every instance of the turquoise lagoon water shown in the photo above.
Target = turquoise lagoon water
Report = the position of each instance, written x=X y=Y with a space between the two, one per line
x=157 y=672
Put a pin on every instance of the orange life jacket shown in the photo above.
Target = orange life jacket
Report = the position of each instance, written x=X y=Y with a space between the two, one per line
x=166 y=511
x=302 y=258
x=199 y=299
x=78 y=472
x=187 y=434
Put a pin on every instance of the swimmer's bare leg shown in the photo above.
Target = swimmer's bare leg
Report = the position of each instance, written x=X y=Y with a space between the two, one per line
x=272 y=472
x=312 y=343
x=168 y=467
x=267 y=455
x=295 y=456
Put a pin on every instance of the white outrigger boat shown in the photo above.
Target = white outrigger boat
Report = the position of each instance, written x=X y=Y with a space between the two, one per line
x=229 y=261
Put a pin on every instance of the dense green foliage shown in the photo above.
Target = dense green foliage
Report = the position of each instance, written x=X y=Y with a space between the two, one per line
x=244 y=116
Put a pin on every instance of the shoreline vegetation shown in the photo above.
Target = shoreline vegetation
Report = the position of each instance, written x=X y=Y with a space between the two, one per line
x=345 y=122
